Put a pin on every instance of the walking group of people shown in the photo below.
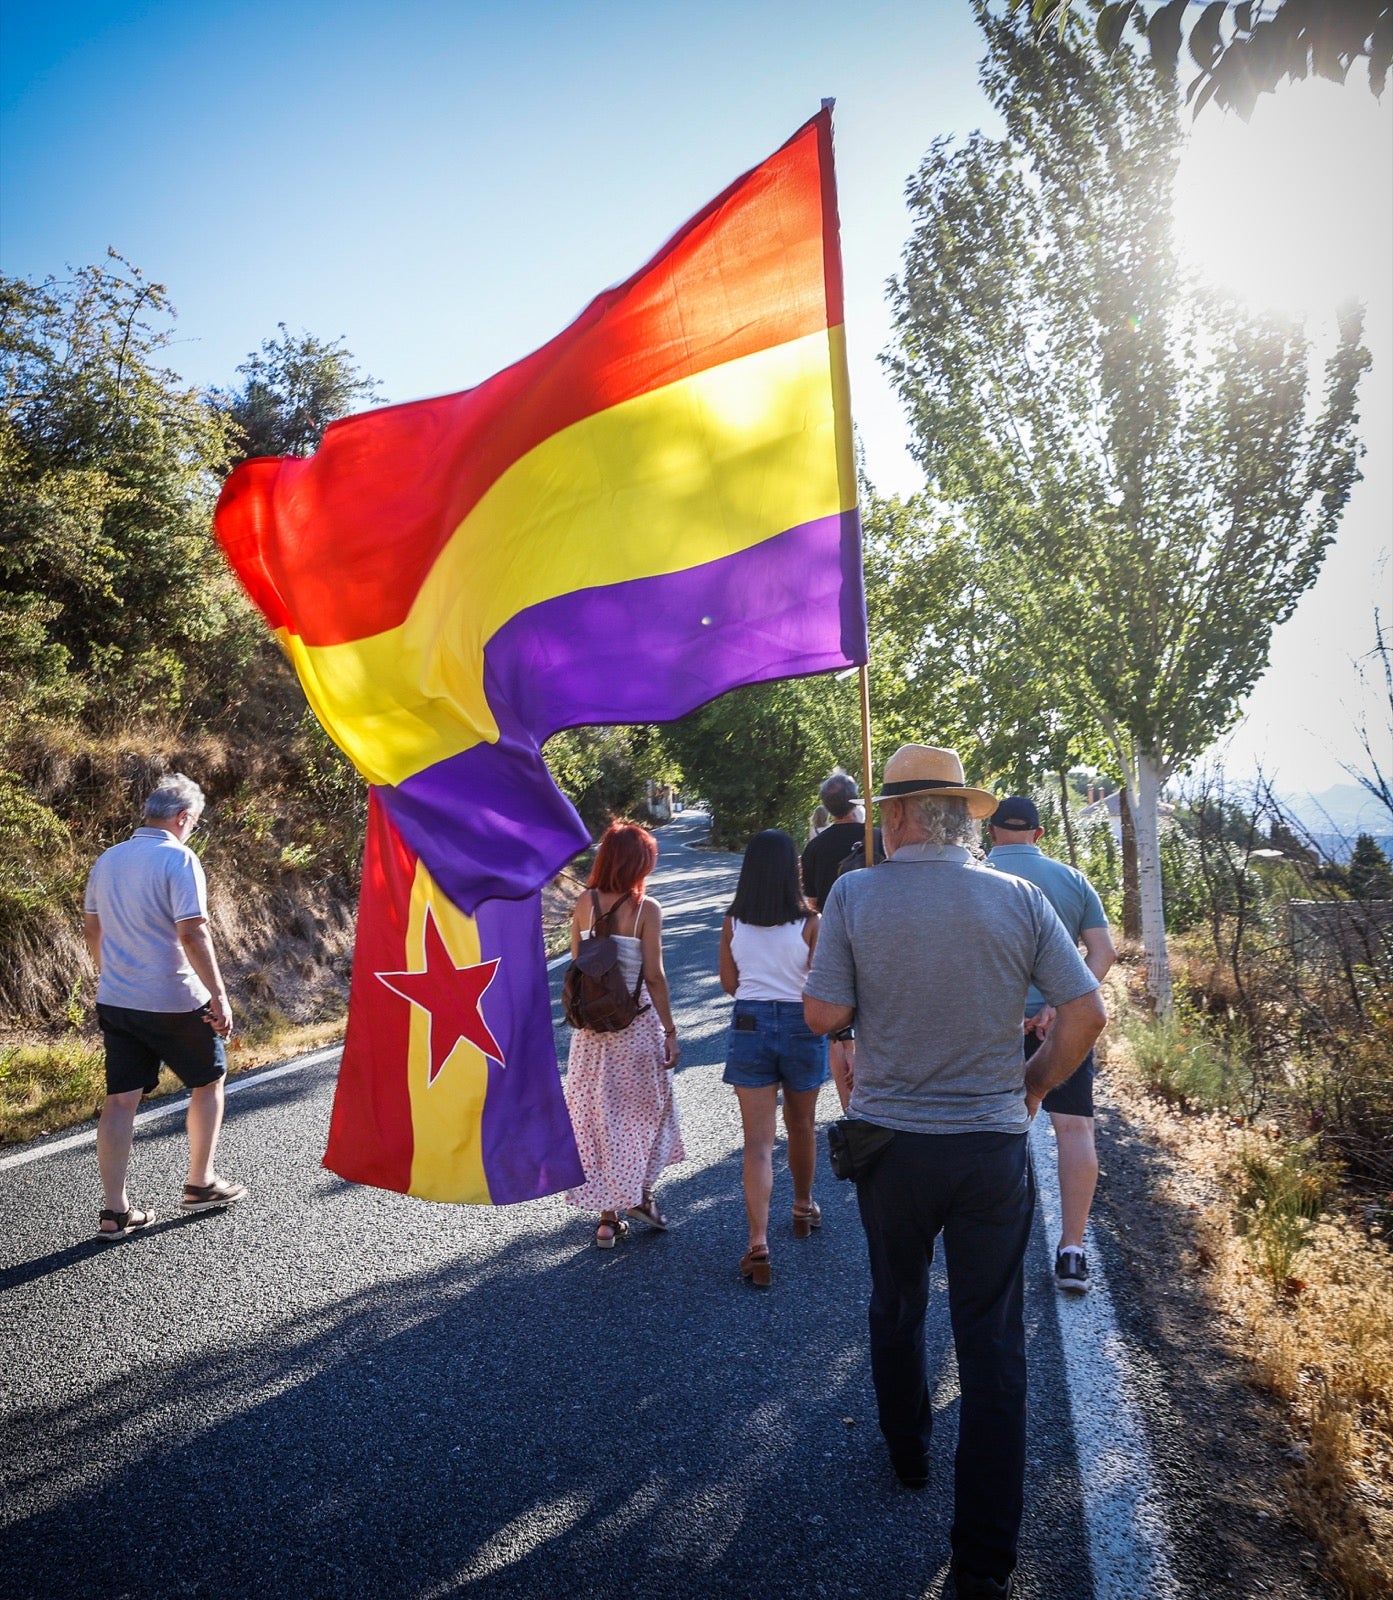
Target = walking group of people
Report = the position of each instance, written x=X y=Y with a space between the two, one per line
x=945 y=994
x=956 y=1003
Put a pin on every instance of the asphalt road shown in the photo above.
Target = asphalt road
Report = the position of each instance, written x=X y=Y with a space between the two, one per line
x=332 y=1391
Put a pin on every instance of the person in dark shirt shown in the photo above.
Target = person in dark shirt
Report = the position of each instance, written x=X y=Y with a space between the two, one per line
x=825 y=853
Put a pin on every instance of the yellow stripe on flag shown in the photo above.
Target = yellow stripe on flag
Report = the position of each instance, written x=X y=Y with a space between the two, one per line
x=704 y=468
x=446 y=1116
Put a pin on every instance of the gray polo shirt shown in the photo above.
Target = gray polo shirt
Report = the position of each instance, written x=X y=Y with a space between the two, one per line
x=1065 y=887
x=140 y=889
x=935 y=954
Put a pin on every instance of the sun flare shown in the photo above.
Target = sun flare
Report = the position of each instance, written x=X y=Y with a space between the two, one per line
x=1294 y=210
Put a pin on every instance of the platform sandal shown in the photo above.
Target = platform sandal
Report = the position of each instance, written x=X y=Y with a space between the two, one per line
x=610 y=1229
x=806 y=1218
x=754 y=1267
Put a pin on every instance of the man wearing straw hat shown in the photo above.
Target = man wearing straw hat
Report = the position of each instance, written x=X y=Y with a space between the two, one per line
x=931 y=956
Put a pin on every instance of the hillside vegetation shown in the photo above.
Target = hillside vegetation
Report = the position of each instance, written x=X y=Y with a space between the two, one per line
x=127 y=650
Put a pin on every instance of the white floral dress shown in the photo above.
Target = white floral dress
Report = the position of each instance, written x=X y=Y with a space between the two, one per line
x=620 y=1098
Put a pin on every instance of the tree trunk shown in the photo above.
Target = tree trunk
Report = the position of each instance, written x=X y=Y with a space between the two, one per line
x=1131 y=884
x=1146 y=823
x=1067 y=819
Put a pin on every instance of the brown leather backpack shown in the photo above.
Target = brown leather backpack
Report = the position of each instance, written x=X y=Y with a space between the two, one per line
x=593 y=993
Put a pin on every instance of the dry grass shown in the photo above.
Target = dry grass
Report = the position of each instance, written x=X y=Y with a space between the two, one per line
x=46 y=1086
x=1311 y=1294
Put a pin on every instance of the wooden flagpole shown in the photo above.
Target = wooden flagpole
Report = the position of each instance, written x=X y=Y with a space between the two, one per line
x=866 y=784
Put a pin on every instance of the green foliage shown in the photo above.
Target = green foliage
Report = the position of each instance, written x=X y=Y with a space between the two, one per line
x=1283 y=1188
x=758 y=755
x=602 y=771
x=1244 y=50
x=293 y=388
x=940 y=672
x=32 y=839
x=1100 y=861
x=1138 y=449
x=1369 y=875
x=108 y=467
x=1187 y=1061
x=334 y=786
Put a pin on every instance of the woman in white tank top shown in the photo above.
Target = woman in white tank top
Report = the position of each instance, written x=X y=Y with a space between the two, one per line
x=767 y=944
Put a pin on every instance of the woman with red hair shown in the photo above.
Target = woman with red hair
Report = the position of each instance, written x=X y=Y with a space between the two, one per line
x=619 y=1085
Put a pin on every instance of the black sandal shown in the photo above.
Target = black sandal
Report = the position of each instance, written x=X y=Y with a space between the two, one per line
x=127 y=1222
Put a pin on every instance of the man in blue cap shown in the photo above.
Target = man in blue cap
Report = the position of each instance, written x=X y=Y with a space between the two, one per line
x=1016 y=831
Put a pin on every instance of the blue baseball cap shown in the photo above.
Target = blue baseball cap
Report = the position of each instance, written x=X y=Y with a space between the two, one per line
x=1016 y=812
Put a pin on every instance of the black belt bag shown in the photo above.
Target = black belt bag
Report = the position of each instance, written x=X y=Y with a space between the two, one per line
x=854 y=1146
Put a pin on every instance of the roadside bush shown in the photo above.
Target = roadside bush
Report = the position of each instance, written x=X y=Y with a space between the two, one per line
x=1186 y=1061
x=1282 y=1188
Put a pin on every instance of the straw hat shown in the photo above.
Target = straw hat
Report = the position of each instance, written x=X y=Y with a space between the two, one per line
x=924 y=769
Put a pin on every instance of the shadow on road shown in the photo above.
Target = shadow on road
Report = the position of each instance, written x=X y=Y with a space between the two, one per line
x=545 y=1422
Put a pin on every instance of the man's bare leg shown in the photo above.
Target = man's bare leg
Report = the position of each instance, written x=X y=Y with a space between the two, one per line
x=204 y=1124
x=115 y=1130
x=1078 y=1175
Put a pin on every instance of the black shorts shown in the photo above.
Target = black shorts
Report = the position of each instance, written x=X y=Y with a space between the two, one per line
x=1073 y=1097
x=138 y=1041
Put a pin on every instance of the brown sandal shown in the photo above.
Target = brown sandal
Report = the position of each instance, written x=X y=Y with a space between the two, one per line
x=805 y=1219
x=754 y=1265
x=648 y=1212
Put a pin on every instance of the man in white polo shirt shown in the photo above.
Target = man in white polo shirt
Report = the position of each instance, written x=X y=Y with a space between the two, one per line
x=160 y=998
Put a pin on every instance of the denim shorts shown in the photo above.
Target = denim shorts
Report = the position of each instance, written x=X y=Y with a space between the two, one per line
x=779 y=1048
x=138 y=1041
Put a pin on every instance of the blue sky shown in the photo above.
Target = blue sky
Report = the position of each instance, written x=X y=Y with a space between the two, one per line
x=446 y=185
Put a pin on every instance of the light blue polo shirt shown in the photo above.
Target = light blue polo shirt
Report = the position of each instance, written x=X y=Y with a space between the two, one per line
x=140 y=889
x=1073 y=897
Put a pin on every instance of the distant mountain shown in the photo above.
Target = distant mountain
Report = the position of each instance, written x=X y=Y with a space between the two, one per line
x=1343 y=809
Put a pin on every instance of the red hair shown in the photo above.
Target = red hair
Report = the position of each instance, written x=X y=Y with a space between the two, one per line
x=626 y=856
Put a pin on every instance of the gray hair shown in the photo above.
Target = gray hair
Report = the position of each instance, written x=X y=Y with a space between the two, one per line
x=839 y=793
x=176 y=793
x=941 y=822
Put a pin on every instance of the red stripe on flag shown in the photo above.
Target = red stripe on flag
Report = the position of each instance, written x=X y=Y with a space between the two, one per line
x=343 y=541
x=370 y=1133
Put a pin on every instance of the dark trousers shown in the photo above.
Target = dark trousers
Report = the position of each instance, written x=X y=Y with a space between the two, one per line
x=977 y=1189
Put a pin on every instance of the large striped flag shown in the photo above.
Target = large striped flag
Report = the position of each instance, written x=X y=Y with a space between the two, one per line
x=657 y=506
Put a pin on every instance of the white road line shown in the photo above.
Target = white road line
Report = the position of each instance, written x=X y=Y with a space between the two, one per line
x=1129 y=1546
x=167 y=1108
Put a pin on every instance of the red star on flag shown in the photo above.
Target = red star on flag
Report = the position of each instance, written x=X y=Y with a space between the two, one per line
x=450 y=996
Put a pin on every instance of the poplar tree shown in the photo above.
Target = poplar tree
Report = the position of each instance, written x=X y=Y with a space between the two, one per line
x=1149 y=479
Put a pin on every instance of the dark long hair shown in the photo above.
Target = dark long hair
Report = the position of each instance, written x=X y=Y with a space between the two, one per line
x=769 y=892
x=626 y=856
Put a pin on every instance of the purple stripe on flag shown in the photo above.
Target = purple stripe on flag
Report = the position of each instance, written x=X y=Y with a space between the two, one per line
x=490 y=823
x=529 y=1148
